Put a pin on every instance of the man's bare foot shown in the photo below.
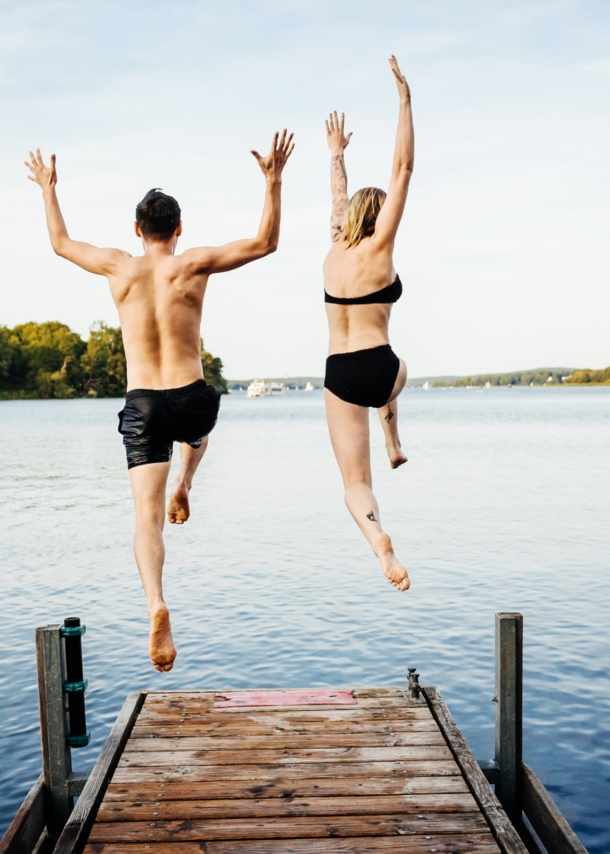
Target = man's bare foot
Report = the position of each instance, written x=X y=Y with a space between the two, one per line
x=178 y=509
x=393 y=569
x=161 y=650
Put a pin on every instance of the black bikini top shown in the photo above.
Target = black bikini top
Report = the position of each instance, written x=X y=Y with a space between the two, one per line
x=391 y=293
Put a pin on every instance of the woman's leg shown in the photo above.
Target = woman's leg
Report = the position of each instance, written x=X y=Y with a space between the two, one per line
x=178 y=508
x=349 y=434
x=388 y=416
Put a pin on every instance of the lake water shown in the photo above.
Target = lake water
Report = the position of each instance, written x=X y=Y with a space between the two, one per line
x=504 y=505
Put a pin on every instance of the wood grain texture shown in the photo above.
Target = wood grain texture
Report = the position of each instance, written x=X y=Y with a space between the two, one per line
x=285 y=807
x=470 y=843
x=233 y=729
x=556 y=834
x=280 y=757
x=376 y=776
x=261 y=774
x=279 y=787
x=26 y=828
x=286 y=828
x=76 y=831
x=505 y=834
x=284 y=741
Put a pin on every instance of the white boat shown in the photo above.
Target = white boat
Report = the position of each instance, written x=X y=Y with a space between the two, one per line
x=261 y=388
x=426 y=385
x=487 y=384
x=308 y=386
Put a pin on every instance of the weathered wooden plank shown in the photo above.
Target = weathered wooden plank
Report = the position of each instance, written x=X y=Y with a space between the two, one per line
x=293 y=757
x=285 y=807
x=258 y=774
x=26 y=828
x=554 y=831
x=505 y=834
x=445 y=844
x=284 y=741
x=279 y=787
x=231 y=729
x=222 y=730
x=75 y=833
x=296 y=697
x=206 y=706
x=176 y=696
x=286 y=828
x=285 y=718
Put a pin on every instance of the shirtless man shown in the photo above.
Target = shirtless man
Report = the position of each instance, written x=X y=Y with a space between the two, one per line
x=159 y=297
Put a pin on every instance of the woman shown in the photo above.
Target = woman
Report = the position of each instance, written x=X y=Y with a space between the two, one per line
x=360 y=287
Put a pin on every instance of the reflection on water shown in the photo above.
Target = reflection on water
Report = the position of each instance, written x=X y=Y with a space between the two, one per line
x=504 y=505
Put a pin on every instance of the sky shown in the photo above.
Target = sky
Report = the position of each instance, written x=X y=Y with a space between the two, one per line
x=503 y=248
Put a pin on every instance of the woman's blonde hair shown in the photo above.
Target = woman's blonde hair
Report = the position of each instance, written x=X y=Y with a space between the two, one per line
x=361 y=215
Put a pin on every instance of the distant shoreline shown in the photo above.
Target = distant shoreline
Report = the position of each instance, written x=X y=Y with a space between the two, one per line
x=535 y=377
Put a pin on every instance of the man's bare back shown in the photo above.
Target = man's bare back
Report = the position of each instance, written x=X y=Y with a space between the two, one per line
x=159 y=296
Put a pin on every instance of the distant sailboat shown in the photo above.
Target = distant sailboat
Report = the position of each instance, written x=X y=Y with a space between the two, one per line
x=308 y=386
x=426 y=386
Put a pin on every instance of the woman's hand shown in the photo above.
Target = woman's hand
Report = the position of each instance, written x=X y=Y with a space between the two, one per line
x=273 y=164
x=401 y=83
x=337 y=141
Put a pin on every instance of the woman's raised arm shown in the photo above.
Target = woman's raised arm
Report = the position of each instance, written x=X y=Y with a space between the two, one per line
x=337 y=142
x=402 y=168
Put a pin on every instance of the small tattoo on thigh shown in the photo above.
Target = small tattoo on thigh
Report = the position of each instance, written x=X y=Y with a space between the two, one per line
x=371 y=516
x=389 y=416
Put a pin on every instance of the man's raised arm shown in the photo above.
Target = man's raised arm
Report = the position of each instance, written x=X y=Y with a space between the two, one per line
x=219 y=259
x=90 y=258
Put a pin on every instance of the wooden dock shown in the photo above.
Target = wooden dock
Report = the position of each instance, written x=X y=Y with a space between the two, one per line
x=283 y=771
x=288 y=771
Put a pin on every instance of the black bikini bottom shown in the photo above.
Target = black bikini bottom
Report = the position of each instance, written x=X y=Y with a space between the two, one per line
x=153 y=420
x=363 y=377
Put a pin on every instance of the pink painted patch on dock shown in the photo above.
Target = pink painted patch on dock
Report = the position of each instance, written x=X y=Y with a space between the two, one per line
x=322 y=697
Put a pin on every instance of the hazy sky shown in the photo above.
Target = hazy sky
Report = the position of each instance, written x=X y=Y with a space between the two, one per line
x=503 y=249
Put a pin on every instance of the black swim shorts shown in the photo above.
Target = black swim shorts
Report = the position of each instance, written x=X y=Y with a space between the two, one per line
x=152 y=420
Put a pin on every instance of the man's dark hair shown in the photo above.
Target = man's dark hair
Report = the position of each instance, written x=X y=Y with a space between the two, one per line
x=158 y=215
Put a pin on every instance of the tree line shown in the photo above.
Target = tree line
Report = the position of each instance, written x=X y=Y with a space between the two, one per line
x=49 y=360
x=544 y=376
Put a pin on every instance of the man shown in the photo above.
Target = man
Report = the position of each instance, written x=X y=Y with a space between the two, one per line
x=159 y=297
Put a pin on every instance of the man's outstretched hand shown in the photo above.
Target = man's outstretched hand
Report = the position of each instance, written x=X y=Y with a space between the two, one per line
x=274 y=162
x=44 y=176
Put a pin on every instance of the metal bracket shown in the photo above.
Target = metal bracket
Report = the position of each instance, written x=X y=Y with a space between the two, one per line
x=414 y=687
x=79 y=740
x=72 y=631
x=75 y=687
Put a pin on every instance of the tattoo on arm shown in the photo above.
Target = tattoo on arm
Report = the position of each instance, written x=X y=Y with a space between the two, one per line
x=338 y=185
x=390 y=415
x=371 y=516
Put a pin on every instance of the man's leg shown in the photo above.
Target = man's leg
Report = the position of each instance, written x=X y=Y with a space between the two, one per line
x=148 y=483
x=178 y=509
x=349 y=434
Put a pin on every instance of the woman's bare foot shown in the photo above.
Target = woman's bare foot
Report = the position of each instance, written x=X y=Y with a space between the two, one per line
x=178 y=509
x=393 y=569
x=397 y=457
x=161 y=650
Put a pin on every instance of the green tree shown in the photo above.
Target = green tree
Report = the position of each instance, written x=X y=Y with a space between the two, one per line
x=103 y=362
x=45 y=360
x=212 y=370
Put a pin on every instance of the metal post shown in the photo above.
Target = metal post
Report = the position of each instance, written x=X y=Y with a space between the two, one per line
x=56 y=757
x=509 y=713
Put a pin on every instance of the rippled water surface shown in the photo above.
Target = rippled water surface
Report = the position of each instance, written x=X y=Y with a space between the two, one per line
x=504 y=505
